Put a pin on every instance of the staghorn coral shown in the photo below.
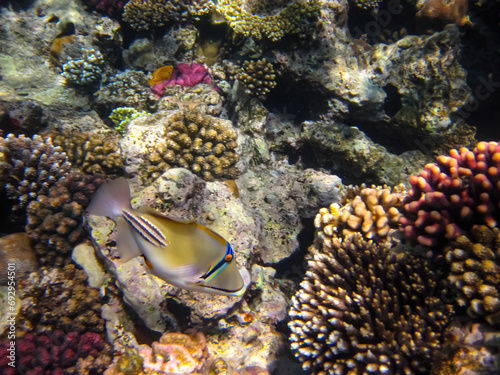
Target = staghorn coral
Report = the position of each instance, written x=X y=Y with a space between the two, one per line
x=198 y=142
x=362 y=307
x=59 y=298
x=54 y=219
x=144 y=15
x=29 y=167
x=85 y=71
x=258 y=76
x=474 y=261
x=289 y=20
x=373 y=212
x=127 y=89
x=451 y=195
x=93 y=153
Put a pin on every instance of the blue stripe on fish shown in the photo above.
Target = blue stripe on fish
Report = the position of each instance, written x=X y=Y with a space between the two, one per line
x=146 y=229
x=214 y=271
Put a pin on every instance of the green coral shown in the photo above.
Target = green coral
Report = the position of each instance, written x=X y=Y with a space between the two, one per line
x=288 y=21
x=367 y=4
x=121 y=116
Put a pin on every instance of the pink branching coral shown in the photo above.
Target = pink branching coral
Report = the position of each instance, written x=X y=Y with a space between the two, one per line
x=451 y=195
x=184 y=75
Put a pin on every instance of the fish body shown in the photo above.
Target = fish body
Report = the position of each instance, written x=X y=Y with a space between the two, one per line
x=185 y=254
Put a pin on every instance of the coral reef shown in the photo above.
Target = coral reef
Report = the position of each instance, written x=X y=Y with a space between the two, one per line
x=60 y=353
x=375 y=213
x=474 y=261
x=92 y=153
x=121 y=116
x=16 y=248
x=451 y=195
x=59 y=299
x=288 y=20
x=126 y=89
x=85 y=71
x=201 y=143
x=183 y=75
x=362 y=307
x=367 y=4
x=146 y=14
x=257 y=76
x=29 y=167
x=435 y=14
x=55 y=219
x=113 y=8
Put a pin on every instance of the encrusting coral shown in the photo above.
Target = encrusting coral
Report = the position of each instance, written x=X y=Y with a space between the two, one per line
x=288 y=20
x=362 y=307
x=374 y=212
x=60 y=299
x=55 y=219
x=474 y=261
x=29 y=167
x=85 y=71
x=198 y=142
x=451 y=195
x=147 y=14
x=91 y=152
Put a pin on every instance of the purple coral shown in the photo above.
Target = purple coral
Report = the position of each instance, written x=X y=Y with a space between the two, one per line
x=55 y=354
x=113 y=8
x=184 y=75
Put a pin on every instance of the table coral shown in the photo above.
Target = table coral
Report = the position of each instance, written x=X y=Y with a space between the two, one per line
x=93 y=153
x=147 y=14
x=374 y=213
x=288 y=20
x=362 y=307
x=198 y=142
x=474 y=261
x=55 y=219
x=451 y=195
x=85 y=71
x=60 y=299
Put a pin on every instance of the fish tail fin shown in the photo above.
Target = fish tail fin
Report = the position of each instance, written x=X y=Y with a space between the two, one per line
x=111 y=198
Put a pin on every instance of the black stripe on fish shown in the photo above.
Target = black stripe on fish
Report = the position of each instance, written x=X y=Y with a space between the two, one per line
x=146 y=229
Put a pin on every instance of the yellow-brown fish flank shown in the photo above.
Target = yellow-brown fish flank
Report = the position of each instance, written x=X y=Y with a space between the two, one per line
x=146 y=229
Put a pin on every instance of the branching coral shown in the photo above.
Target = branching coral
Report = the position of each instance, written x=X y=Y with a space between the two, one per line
x=451 y=195
x=287 y=21
x=85 y=71
x=360 y=307
x=91 y=152
x=198 y=142
x=55 y=219
x=29 y=167
x=475 y=272
x=147 y=14
x=258 y=76
x=375 y=213
x=60 y=299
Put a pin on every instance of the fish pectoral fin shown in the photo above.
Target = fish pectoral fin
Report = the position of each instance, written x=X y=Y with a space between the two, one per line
x=126 y=243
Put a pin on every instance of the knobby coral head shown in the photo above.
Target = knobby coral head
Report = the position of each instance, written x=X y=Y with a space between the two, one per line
x=450 y=196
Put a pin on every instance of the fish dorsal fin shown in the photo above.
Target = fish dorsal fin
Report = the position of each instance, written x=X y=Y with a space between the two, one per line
x=152 y=211
x=125 y=242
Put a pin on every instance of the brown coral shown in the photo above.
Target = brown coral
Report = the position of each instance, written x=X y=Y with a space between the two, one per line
x=374 y=212
x=258 y=77
x=91 y=152
x=362 y=307
x=475 y=271
x=60 y=298
x=435 y=14
x=54 y=219
x=198 y=142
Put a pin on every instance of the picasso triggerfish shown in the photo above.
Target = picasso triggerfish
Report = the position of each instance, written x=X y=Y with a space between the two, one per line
x=183 y=253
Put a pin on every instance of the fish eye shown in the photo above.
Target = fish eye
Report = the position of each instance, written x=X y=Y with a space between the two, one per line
x=228 y=257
